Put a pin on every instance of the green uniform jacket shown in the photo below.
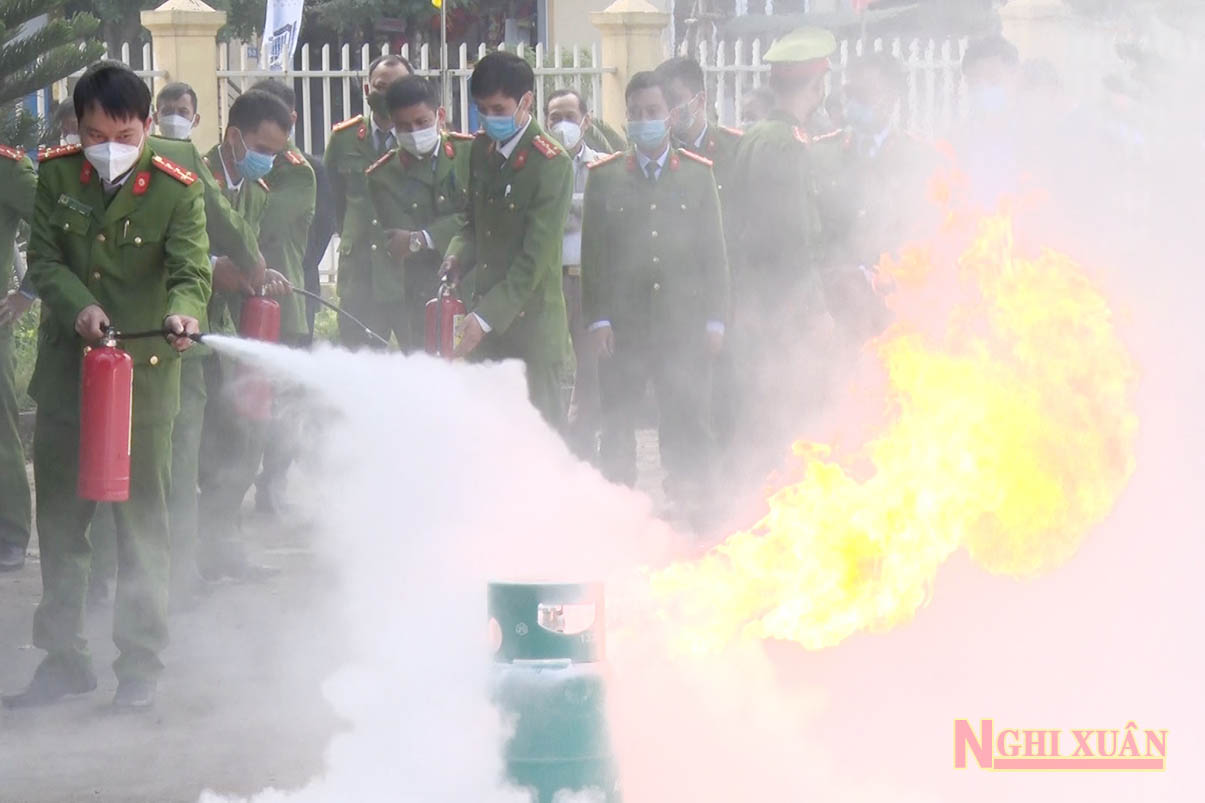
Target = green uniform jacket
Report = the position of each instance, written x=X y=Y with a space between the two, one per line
x=19 y=180
x=284 y=231
x=141 y=257
x=250 y=202
x=774 y=231
x=513 y=234
x=229 y=234
x=369 y=271
x=419 y=195
x=719 y=145
x=653 y=256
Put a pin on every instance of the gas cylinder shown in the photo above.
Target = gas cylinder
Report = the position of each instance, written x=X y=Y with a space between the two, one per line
x=444 y=314
x=259 y=320
x=106 y=407
x=549 y=648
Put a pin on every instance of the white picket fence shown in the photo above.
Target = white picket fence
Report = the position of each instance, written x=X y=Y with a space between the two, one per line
x=329 y=81
x=931 y=107
x=61 y=88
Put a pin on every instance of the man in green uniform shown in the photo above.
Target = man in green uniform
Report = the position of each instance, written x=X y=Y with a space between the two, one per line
x=692 y=131
x=655 y=290
x=16 y=204
x=284 y=233
x=118 y=239
x=520 y=188
x=780 y=318
x=367 y=278
x=258 y=130
x=231 y=237
x=176 y=111
x=418 y=195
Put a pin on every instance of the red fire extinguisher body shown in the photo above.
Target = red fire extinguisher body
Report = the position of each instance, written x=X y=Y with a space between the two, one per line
x=444 y=314
x=259 y=320
x=106 y=407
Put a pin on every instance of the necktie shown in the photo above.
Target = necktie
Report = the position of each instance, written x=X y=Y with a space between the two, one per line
x=651 y=170
x=384 y=141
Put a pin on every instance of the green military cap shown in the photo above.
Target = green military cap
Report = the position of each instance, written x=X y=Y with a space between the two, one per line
x=807 y=45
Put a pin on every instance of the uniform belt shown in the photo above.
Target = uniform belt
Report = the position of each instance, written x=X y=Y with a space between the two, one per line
x=573 y=270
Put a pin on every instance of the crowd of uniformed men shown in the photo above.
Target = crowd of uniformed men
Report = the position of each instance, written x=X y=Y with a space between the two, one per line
x=678 y=256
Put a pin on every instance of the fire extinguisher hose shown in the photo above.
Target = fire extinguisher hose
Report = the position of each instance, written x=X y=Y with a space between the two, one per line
x=339 y=311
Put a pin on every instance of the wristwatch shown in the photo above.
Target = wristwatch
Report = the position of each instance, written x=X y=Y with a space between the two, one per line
x=417 y=242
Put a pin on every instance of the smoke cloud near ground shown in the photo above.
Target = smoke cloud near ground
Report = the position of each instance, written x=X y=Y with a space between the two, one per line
x=428 y=480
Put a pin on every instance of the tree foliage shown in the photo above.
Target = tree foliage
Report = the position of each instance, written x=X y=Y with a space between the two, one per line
x=30 y=62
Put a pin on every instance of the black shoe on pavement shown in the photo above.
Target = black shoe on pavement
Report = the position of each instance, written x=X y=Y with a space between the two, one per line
x=54 y=679
x=12 y=557
x=135 y=694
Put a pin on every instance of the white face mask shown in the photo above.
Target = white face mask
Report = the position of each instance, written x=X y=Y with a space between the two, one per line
x=175 y=126
x=568 y=132
x=70 y=139
x=112 y=159
x=418 y=143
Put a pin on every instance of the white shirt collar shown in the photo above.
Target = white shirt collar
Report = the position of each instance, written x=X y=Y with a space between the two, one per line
x=509 y=148
x=226 y=172
x=643 y=160
x=585 y=155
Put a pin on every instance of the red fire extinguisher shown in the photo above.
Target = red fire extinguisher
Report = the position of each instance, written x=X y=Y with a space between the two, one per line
x=260 y=320
x=444 y=314
x=106 y=407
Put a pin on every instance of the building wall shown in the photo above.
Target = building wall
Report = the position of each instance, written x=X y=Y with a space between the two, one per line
x=569 y=20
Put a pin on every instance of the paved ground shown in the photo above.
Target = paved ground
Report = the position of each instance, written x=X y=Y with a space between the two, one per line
x=221 y=704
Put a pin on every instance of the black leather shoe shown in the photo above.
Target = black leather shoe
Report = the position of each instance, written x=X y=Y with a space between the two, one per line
x=54 y=679
x=12 y=557
x=135 y=694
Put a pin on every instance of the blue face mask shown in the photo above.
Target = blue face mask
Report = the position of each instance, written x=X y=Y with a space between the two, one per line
x=647 y=134
x=254 y=165
x=500 y=128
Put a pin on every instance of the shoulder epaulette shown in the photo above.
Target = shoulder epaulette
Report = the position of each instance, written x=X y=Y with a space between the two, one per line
x=295 y=158
x=545 y=147
x=61 y=150
x=263 y=184
x=180 y=174
x=458 y=135
x=9 y=152
x=736 y=132
x=802 y=135
x=827 y=137
x=696 y=157
x=379 y=162
x=610 y=157
x=348 y=123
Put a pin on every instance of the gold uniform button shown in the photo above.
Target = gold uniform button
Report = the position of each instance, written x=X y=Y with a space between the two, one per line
x=656 y=260
x=374 y=223
x=374 y=246
x=154 y=359
x=137 y=240
x=414 y=205
x=66 y=227
x=652 y=207
x=95 y=274
x=100 y=238
x=654 y=233
x=683 y=207
x=441 y=199
x=484 y=266
x=656 y=286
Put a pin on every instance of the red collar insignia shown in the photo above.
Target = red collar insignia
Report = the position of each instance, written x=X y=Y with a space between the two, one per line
x=363 y=132
x=449 y=150
x=673 y=160
x=520 y=159
x=85 y=172
x=141 y=182
x=631 y=163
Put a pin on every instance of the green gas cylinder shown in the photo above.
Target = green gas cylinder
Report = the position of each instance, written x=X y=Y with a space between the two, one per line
x=549 y=641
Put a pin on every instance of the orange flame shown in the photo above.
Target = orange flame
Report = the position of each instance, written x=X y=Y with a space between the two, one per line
x=1010 y=435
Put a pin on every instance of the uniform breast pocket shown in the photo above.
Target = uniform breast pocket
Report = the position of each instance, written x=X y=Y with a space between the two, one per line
x=139 y=245
x=70 y=220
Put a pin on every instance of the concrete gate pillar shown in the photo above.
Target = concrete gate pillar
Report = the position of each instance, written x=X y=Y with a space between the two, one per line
x=184 y=42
